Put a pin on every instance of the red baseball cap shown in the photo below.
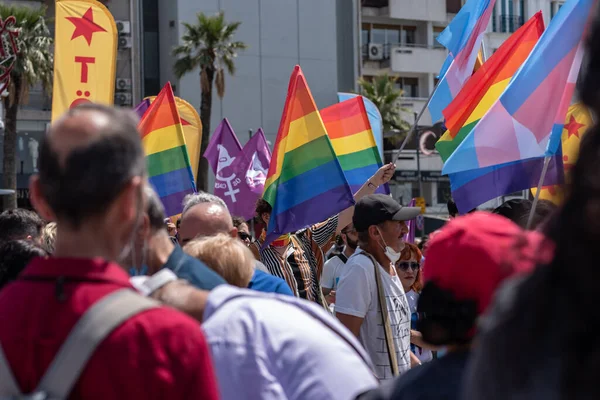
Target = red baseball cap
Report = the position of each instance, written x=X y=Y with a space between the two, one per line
x=472 y=255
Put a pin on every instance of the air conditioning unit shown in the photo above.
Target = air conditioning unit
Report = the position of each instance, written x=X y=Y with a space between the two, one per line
x=375 y=51
x=123 y=84
x=123 y=99
x=125 y=42
x=123 y=27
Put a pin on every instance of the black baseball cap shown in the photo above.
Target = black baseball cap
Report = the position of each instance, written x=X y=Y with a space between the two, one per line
x=377 y=208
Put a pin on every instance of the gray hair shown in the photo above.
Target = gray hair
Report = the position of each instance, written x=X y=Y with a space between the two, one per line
x=201 y=197
x=154 y=209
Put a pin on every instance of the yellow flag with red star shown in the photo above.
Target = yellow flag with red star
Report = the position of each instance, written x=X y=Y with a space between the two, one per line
x=85 y=55
x=577 y=122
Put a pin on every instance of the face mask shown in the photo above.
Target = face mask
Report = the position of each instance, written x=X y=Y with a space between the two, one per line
x=390 y=253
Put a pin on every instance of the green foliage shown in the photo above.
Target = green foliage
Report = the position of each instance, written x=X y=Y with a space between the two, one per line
x=35 y=61
x=206 y=45
x=382 y=92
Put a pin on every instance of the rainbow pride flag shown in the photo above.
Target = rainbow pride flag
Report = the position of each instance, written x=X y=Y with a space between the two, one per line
x=526 y=122
x=463 y=38
x=305 y=183
x=166 y=153
x=488 y=83
x=348 y=127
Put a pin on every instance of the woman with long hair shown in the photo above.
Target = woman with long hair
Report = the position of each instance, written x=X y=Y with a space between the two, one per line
x=408 y=268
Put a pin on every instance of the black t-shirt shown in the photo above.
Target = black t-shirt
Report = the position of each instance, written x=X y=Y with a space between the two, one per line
x=439 y=379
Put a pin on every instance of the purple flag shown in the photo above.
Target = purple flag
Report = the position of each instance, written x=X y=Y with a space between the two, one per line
x=141 y=108
x=259 y=156
x=222 y=153
x=253 y=166
x=412 y=226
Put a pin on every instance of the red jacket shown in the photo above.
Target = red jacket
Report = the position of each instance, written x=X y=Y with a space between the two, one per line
x=158 y=354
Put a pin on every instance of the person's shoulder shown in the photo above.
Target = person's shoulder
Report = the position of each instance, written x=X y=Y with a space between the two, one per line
x=161 y=328
x=264 y=282
x=197 y=273
x=333 y=262
x=359 y=259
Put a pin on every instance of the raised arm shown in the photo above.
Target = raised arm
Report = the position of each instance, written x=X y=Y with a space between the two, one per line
x=382 y=176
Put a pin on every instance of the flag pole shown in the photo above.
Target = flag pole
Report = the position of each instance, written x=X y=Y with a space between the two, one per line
x=538 y=191
x=414 y=126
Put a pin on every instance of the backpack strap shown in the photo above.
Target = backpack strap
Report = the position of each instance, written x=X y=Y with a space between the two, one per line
x=92 y=328
x=385 y=317
x=8 y=384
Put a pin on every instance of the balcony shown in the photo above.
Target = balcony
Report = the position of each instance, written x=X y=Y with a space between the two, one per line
x=507 y=23
x=420 y=10
x=415 y=58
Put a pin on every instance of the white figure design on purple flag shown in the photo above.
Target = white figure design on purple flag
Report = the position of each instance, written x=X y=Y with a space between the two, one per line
x=256 y=174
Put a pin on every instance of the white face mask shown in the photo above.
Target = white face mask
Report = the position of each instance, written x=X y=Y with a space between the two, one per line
x=390 y=253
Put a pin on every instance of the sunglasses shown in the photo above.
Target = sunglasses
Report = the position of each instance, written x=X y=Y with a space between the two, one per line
x=244 y=236
x=405 y=265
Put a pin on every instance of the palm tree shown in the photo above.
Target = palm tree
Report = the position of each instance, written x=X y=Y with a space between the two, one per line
x=382 y=92
x=207 y=47
x=34 y=64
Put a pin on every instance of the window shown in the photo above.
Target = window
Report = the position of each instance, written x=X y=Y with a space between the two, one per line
x=151 y=73
x=511 y=16
x=453 y=6
x=443 y=192
x=410 y=86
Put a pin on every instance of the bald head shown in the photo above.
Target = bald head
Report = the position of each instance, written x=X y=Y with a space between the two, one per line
x=87 y=158
x=77 y=130
x=205 y=219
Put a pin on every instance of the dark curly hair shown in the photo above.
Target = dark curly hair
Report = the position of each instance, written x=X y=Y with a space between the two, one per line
x=262 y=206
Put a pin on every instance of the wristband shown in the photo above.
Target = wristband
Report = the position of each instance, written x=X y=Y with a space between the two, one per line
x=371 y=185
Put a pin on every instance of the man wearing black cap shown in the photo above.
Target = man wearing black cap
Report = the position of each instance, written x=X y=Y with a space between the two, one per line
x=380 y=223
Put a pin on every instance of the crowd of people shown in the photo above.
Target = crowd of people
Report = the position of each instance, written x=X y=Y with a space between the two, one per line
x=103 y=296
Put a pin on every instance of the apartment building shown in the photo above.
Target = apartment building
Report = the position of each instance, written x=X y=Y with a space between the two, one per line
x=398 y=37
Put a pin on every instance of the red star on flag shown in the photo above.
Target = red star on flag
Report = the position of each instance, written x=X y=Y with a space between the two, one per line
x=85 y=26
x=573 y=127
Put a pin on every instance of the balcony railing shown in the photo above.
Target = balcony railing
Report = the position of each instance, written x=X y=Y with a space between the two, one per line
x=507 y=23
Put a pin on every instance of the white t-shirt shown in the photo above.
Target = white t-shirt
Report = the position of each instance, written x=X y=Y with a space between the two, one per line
x=357 y=296
x=423 y=355
x=332 y=271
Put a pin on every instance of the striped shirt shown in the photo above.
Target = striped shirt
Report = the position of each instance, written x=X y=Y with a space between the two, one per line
x=301 y=264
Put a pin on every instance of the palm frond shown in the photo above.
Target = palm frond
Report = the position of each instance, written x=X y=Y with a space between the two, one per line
x=184 y=65
x=208 y=44
x=220 y=82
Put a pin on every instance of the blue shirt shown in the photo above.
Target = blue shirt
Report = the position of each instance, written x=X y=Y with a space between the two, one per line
x=192 y=270
x=263 y=282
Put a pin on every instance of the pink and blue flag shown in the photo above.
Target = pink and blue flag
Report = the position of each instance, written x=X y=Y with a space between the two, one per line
x=526 y=122
x=462 y=37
